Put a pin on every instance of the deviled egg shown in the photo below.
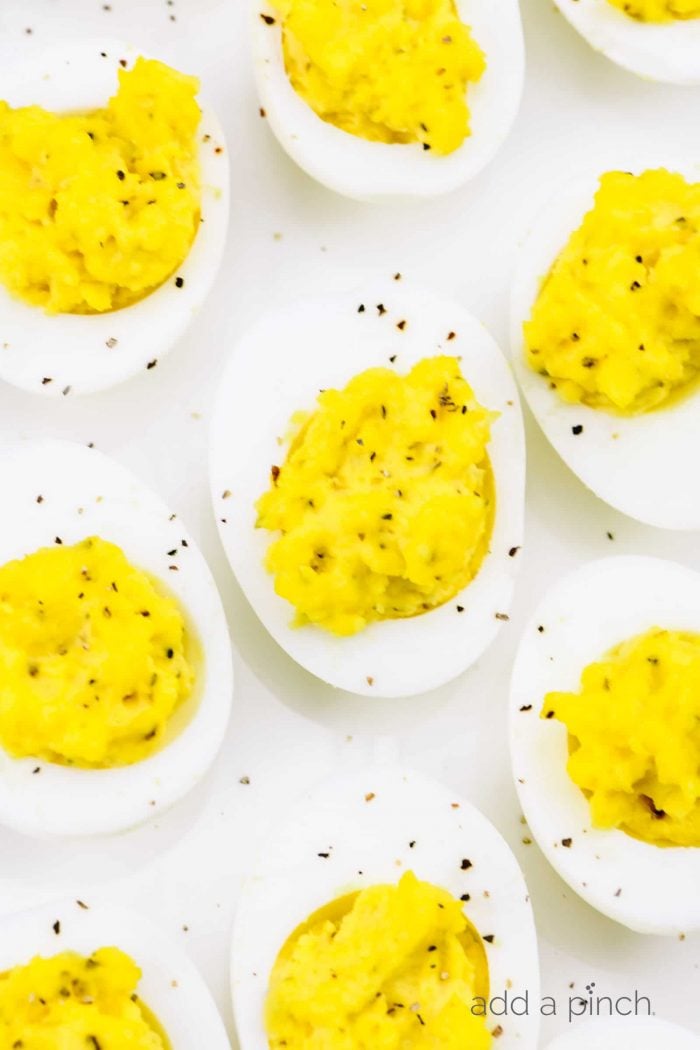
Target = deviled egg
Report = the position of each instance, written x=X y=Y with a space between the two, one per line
x=656 y=39
x=376 y=533
x=605 y=329
x=435 y=934
x=604 y=738
x=635 y=1033
x=396 y=99
x=113 y=214
x=116 y=663
x=78 y=973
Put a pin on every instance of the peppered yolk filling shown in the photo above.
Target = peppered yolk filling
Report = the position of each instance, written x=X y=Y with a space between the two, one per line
x=634 y=732
x=94 y=657
x=392 y=71
x=387 y=967
x=659 y=10
x=73 y=1001
x=98 y=209
x=384 y=505
x=616 y=324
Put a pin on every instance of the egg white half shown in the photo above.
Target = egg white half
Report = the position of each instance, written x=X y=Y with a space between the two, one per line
x=375 y=824
x=365 y=170
x=667 y=52
x=638 y=1033
x=84 y=493
x=170 y=987
x=61 y=355
x=637 y=464
x=278 y=369
x=647 y=888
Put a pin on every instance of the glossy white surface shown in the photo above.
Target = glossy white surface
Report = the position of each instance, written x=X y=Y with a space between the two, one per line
x=288 y=730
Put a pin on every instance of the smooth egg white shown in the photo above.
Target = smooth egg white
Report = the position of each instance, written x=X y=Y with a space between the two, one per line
x=276 y=370
x=635 y=1033
x=170 y=987
x=669 y=51
x=68 y=354
x=365 y=170
x=360 y=828
x=647 y=888
x=55 y=490
x=637 y=464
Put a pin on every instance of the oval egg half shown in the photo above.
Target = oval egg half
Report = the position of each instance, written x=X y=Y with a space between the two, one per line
x=634 y=1033
x=366 y=170
x=647 y=888
x=277 y=369
x=668 y=51
x=637 y=464
x=56 y=492
x=365 y=827
x=67 y=354
x=171 y=988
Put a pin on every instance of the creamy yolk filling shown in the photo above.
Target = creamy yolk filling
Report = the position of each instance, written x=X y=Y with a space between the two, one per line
x=385 y=503
x=385 y=70
x=659 y=10
x=99 y=209
x=634 y=735
x=94 y=657
x=616 y=324
x=77 y=1003
x=387 y=967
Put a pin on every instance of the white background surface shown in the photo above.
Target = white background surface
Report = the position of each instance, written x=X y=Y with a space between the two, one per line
x=288 y=236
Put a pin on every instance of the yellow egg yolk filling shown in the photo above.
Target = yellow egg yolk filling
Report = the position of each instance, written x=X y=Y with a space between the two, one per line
x=99 y=209
x=391 y=966
x=634 y=733
x=94 y=657
x=658 y=10
x=77 y=1003
x=616 y=324
x=386 y=70
x=385 y=502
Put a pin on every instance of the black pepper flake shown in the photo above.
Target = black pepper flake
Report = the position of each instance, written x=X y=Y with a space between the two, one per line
x=466 y=864
x=111 y=342
x=541 y=629
x=433 y=413
x=526 y=707
x=610 y=535
x=120 y=175
x=635 y=286
x=267 y=19
x=37 y=769
x=387 y=517
x=392 y=358
x=489 y=938
x=466 y=897
x=179 y=282
x=361 y=308
x=82 y=905
x=40 y=499
x=432 y=947
x=58 y=540
x=158 y=176
x=577 y=429
x=451 y=336
x=46 y=380
x=401 y=325
x=550 y=714
x=502 y=616
x=513 y=551
x=566 y=843
x=411 y=843
x=460 y=608
x=381 y=309
x=56 y=927
x=324 y=856
x=152 y=364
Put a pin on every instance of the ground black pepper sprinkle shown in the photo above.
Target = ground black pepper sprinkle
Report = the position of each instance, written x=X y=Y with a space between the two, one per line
x=577 y=429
